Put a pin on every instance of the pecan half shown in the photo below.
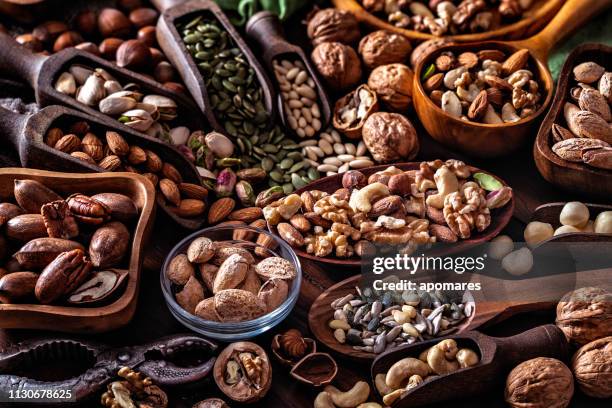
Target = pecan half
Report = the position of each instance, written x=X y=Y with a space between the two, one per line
x=87 y=210
x=62 y=276
x=58 y=220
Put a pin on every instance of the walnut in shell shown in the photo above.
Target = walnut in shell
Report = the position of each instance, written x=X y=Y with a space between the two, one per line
x=540 y=383
x=390 y=137
x=333 y=25
x=352 y=110
x=585 y=314
x=338 y=64
x=393 y=85
x=384 y=47
x=592 y=366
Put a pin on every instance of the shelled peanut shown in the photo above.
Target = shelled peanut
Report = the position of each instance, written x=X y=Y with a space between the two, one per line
x=112 y=152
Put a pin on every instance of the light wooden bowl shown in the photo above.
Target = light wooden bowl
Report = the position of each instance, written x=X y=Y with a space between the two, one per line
x=86 y=319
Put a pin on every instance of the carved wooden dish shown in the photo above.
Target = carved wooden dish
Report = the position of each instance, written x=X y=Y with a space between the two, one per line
x=86 y=319
x=538 y=15
x=574 y=177
x=499 y=217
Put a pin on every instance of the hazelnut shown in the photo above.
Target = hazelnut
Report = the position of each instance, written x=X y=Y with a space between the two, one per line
x=30 y=42
x=147 y=35
x=585 y=314
x=88 y=47
x=384 y=47
x=174 y=87
x=86 y=22
x=164 y=72
x=575 y=214
x=603 y=223
x=113 y=23
x=156 y=56
x=333 y=25
x=338 y=64
x=393 y=85
x=143 y=16
x=49 y=31
x=108 y=47
x=390 y=137
x=354 y=179
x=133 y=54
x=533 y=383
x=67 y=40
x=130 y=5
x=592 y=366
x=536 y=232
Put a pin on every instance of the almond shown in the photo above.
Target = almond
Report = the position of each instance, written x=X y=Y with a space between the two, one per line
x=591 y=100
x=251 y=282
x=220 y=209
x=248 y=214
x=571 y=149
x=569 y=113
x=208 y=273
x=236 y=305
x=599 y=157
x=110 y=163
x=515 y=62
x=191 y=190
x=291 y=235
x=479 y=106
x=300 y=223
x=560 y=133
x=468 y=59
x=206 y=310
x=154 y=163
x=52 y=136
x=605 y=86
x=592 y=126
x=433 y=82
x=495 y=96
x=242 y=234
x=231 y=273
x=92 y=146
x=189 y=208
x=497 y=82
x=442 y=233
x=136 y=155
x=191 y=294
x=180 y=270
x=169 y=171
x=83 y=157
x=152 y=178
x=273 y=293
x=275 y=267
x=222 y=252
x=170 y=191
x=493 y=55
x=68 y=143
x=588 y=72
x=117 y=144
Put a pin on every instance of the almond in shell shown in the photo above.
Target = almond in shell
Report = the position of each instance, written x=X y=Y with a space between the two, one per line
x=231 y=273
x=201 y=250
x=180 y=270
x=571 y=149
x=206 y=310
x=220 y=209
x=224 y=251
x=300 y=223
x=191 y=294
x=560 y=133
x=251 y=282
x=275 y=267
x=588 y=72
x=592 y=126
x=208 y=272
x=273 y=293
x=591 y=100
x=600 y=157
x=236 y=305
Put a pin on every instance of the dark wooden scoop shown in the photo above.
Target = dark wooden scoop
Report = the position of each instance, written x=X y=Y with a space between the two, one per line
x=265 y=28
x=26 y=134
x=172 y=44
x=497 y=357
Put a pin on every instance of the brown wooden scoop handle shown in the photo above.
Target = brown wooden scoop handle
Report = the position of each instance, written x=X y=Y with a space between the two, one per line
x=19 y=61
x=570 y=17
x=163 y=5
x=11 y=126
x=265 y=28
x=542 y=341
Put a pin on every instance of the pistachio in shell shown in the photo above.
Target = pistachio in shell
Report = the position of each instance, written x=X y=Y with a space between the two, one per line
x=121 y=207
x=32 y=194
x=39 y=252
x=109 y=244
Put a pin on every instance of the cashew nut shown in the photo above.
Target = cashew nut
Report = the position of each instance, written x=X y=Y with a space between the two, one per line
x=467 y=358
x=446 y=183
x=381 y=385
x=452 y=76
x=451 y=104
x=369 y=405
x=361 y=200
x=508 y=113
x=390 y=398
x=323 y=400
x=423 y=355
x=403 y=369
x=468 y=94
x=491 y=117
x=414 y=381
x=439 y=357
x=351 y=398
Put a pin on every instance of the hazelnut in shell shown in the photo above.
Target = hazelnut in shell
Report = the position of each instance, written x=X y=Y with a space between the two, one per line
x=540 y=383
x=592 y=366
x=333 y=25
x=390 y=137
x=393 y=85
x=133 y=54
x=291 y=346
x=384 y=47
x=338 y=64
x=67 y=40
x=113 y=23
x=585 y=314
x=352 y=110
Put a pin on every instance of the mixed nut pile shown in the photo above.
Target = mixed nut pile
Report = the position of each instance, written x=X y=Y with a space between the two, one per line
x=440 y=202
x=587 y=137
x=441 y=18
x=232 y=283
x=374 y=321
x=486 y=86
x=65 y=248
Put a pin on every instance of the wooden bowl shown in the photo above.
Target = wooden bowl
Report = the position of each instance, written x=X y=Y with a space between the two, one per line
x=536 y=17
x=499 y=217
x=86 y=319
x=574 y=177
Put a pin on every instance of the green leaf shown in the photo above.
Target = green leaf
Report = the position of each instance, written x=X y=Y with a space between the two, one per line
x=488 y=182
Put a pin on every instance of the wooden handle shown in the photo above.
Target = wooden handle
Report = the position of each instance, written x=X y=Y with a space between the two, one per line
x=163 y=5
x=11 y=126
x=265 y=28
x=542 y=341
x=571 y=17
x=19 y=61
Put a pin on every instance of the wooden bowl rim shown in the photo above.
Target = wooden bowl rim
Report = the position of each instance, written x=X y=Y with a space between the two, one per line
x=505 y=215
x=135 y=263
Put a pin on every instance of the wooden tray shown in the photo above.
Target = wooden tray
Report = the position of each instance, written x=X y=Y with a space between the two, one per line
x=574 y=177
x=499 y=217
x=82 y=319
x=540 y=13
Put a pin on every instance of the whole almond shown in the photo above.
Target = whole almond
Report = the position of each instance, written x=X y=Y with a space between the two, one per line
x=479 y=106
x=493 y=55
x=68 y=143
x=191 y=294
x=571 y=149
x=591 y=100
x=53 y=136
x=110 y=163
x=560 y=133
x=169 y=171
x=386 y=206
x=248 y=214
x=236 y=305
x=220 y=209
x=170 y=191
x=592 y=126
x=152 y=178
x=231 y=273
x=201 y=250
x=468 y=59
x=290 y=234
x=191 y=190
x=136 y=155
x=300 y=223
x=208 y=273
x=189 y=208
x=117 y=144
x=308 y=201
x=154 y=163
x=605 y=86
x=516 y=61
x=92 y=146
x=83 y=157
x=599 y=157
x=32 y=194
x=26 y=227
x=588 y=72
x=434 y=82
x=206 y=310
x=497 y=82
x=442 y=233
x=495 y=96
x=180 y=270
x=241 y=234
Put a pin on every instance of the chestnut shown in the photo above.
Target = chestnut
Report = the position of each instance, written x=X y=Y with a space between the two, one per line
x=113 y=23
x=133 y=54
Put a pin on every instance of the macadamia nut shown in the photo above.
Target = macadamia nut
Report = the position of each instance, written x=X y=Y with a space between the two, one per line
x=574 y=213
x=500 y=247
x=536 y=232
x=603 y=223
x=566 y=229
x=518 y=262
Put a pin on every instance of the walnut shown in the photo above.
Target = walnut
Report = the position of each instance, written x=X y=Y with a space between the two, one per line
x=373 y=6
x=592 y=366
x=333 y=25
x=338 y=64
x=393 y=85
x=332 y=209
x=319 y=245
x=466 y=10
x=352 y=110
x=347 y=230
x=384 y=47
x=466 y=209
x=585 y=314
x=540 y=383
x=390 y=137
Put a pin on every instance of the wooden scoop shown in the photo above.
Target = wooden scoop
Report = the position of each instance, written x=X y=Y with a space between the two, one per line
x=265 y=28
x=493 y=140
x=26 y=134
x=497 y=357
x=172 y=44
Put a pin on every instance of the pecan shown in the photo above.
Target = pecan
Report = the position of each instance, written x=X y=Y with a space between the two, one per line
x=62 y=276
x=87 y=210
x=58 y=220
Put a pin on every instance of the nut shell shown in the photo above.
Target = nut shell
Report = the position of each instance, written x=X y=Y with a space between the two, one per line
x=592 y=367
x=333 y=25
x=109 y=245
x=393 y=85
x=384 y=47
x=585 y=315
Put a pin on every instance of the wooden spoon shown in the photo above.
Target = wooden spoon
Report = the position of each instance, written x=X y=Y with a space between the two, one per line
x=26 y=134
x=497 y=357
x=515 y=297
x=493 y=140
x=172 y=44
x=265 y=28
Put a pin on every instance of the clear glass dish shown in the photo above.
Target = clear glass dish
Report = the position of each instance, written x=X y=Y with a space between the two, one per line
x=235 y=330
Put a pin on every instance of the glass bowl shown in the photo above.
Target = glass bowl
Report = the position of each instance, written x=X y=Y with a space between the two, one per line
x=233 y=331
